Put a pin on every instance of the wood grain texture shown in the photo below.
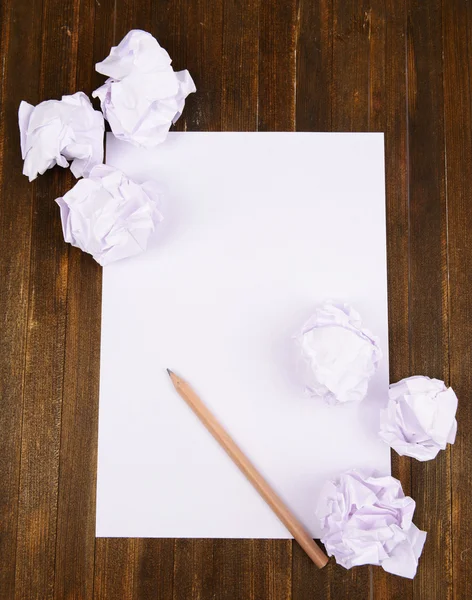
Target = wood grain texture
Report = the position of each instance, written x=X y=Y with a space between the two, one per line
x=199 y=48
x=75 y=537
x=193 y=575
x=154 y=562
x=240 y=66
x=398 y=66
x=350 y=79
x=429 y=338
x=314 y=67
x=388 y=112
x=19 y=43
x=457 y=31
x=115 y=572
x=45 y=347
x=278 y=27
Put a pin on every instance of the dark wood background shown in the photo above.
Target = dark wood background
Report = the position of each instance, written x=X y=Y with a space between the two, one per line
x=398 y=66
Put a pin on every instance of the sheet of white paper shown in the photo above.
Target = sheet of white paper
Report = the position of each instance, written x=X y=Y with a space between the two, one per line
x=258 y=228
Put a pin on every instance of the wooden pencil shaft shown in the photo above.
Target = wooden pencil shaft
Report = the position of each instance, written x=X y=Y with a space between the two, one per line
x=240 y=459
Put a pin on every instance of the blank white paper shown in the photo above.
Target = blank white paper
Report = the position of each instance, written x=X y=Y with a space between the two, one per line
x=259 y=228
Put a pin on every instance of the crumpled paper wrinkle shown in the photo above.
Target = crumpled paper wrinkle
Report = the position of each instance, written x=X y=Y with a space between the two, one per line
x=58 y=131
x=419 y=420
x=143 y=96
x=110 y=216
x=368 y=520
x=339 y=355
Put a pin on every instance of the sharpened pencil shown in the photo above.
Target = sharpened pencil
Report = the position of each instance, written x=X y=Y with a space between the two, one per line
x=240 y=459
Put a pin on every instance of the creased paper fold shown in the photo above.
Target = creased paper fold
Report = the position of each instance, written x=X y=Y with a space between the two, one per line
x=368 y=520
x=58 y=131
x=340 y=356
x=419 y=420
x=142 y=96
x=109 y=215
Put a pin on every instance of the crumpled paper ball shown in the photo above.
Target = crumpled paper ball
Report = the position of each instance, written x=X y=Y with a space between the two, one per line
x=56 y=131
x=143 y=96
x=110 y=216
x=340 y=356
x=368 y=520
x=420 y=417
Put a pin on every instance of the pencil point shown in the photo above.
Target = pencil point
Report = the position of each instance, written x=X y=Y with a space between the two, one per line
x=169 y=372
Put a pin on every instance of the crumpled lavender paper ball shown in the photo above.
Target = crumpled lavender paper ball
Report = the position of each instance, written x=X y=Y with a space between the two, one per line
x=420 y=417
x=340 y=356
x=368 y=520
x=110 y=216
x=56 y=131
x=143 y=96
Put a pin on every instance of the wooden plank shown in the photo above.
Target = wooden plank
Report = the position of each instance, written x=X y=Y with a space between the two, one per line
x=40 y=447
x=272 y=569
x=200 y=27
x=431 y=481
x=85 y=304
x=240 y=66
x=154 y=569
x=350 y=81
x=75 y=542
x=115 y=573
x=252 y=569
x=132 y=14
x=278 y=27
x=193 y=569
x=314 y=65
x=457 y=29
x=19 y=42
x=330 y=583
x=388 y=113
x=234 y=569
x=75 y=546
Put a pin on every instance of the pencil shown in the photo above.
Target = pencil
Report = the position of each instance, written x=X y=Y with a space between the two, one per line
x=240 y=459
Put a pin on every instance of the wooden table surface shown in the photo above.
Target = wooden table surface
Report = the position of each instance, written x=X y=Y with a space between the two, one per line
x=402 y=67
